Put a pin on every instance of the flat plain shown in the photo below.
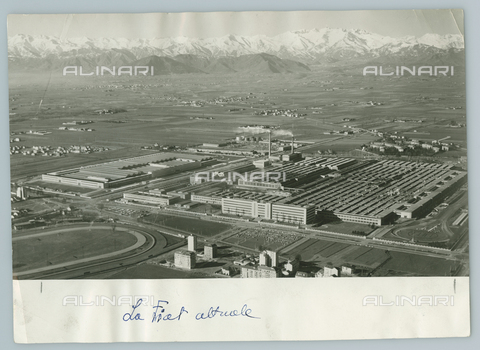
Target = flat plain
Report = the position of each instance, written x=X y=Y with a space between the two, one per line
x=132 y=116
x=175 y=110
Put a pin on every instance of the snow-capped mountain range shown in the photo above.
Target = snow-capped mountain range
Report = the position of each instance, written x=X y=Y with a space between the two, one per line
x=306 y=46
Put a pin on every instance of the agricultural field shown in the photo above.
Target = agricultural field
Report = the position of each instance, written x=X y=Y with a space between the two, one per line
x=344 y=144
x=368 y=257
x=175 y=110
x=316 y=250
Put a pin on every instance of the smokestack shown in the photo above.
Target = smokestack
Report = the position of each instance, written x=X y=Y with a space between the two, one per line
x=269 y=144
x=291 y=151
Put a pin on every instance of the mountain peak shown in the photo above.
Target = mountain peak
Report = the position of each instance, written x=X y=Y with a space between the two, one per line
x=307 y=45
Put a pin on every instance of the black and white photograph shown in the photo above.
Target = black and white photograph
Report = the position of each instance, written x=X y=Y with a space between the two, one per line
x=297 y=146
x=278 y=153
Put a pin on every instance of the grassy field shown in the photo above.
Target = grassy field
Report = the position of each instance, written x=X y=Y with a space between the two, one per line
x=76 y=243
x=365 y=256
x=147 y=271
x=345 y=227
x=192 y=225
x=316 y=249
x=423 y=236
x=345 y=144
x=416 y=265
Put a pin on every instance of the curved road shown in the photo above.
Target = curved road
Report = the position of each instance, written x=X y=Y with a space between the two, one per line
x=85 y=269
x=141 y=240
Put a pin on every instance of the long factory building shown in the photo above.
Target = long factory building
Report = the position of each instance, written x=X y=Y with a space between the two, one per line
x=367 y=192
x=125 y=171
x=376 y=193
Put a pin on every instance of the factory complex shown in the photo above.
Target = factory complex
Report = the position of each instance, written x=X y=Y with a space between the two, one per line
x=304 y=192
x=367 y=192
x=292 y=189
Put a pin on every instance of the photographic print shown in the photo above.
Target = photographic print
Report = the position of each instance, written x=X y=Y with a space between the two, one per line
x=319 y=148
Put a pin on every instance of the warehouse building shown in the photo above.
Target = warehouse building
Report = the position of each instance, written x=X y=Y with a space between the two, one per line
x=125 y=171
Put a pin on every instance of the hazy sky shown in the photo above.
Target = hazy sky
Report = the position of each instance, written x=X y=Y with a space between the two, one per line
x=214 y=24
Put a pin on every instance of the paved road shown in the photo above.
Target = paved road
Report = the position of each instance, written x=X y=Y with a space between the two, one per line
x=112 y=263
x=458 y=201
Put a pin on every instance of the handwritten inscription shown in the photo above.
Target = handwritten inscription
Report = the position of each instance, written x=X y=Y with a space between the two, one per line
x=160 y=313
x=134 y=315
x=212 y=312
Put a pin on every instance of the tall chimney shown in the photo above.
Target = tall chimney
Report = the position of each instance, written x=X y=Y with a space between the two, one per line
x=269 y=144
x=291 y=151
